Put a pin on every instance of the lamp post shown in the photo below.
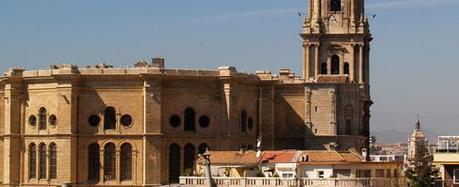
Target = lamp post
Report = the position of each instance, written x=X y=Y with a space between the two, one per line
x=206 y=157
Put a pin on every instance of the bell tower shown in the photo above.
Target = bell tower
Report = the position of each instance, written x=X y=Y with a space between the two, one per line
x=336 y=42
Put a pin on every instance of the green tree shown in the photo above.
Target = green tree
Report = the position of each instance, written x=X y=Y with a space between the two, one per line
x=421 y=172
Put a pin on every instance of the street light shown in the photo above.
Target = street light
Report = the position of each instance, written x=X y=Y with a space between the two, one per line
x=206 y=157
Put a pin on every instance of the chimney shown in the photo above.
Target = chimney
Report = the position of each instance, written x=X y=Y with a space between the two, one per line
x=157 y=62
x=364 y=154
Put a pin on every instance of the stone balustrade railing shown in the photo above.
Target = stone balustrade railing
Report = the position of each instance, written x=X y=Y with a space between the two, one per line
x=302 y=182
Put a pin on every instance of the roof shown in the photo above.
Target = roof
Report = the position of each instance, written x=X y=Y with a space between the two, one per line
x=333 y=79
x=232 y=157
x=418 y=134
x=286 y=156
x=315 y=157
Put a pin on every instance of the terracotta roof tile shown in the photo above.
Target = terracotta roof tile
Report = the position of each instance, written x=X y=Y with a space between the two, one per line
x=331 y=156
x=232 y=157
x=286 y=156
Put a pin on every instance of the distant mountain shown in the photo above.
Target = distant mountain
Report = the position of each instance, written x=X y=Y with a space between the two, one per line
x=396 y=136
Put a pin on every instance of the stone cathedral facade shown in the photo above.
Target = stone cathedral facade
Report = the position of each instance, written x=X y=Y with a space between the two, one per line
x=144 y=125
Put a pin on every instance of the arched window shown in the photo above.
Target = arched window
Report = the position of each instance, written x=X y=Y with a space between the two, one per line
x=348 y=119
x=93 y=162
x=174 y=163
x=203 y=148
x=53 y=161
x=323 y=69
x=243 y=121
x=190 y=119
x=109 y=162
x=42 y=118
x=126 y=162
x=335 y=5
x=250 y=123
x=188 y=159
x=346 y=68
x=32 y=161
x=335 y=65
x=42 y=161
x=110 y=118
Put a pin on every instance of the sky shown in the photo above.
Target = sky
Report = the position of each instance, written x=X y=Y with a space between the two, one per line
x=413 y=56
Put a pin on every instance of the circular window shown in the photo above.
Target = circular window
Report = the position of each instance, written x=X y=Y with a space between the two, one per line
x=126 y=120
x=250 y=123
x=175 y=121
x=52 y=120
x=204 y=121
x=94 y=120
x=32 y=120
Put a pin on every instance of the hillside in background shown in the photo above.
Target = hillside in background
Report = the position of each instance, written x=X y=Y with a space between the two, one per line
x=396 y=136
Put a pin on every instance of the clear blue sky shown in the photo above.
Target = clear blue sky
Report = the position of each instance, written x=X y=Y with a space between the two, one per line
x=414 y=54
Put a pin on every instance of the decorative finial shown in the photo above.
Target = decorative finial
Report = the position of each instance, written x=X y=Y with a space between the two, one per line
x=418 y=123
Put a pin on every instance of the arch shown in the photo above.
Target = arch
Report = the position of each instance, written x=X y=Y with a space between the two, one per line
x=346 y=68
x=203 y=148
x=126 y=162
x=53 y=161
x=109 y=118
x=42 y=121
x=335 y=5
x=323 y=68
x=174 y=163
x=189 y=156
x=93 y=162
x=32 y=161
x=42 y=161
x=243 y=121
x=190 y=119
x=348 y=119
x=335 y=65
x=109 y=161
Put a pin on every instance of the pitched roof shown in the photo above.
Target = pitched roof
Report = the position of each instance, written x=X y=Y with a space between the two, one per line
x=286 y=156
x=331 y=157
x=232 y=157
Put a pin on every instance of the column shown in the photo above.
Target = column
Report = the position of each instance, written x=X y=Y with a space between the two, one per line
x=341 y=64
x=307 y=63
x=316 y=60
x=118 y=165
x=316 y=9
x=182 y=160
x=333 y=124
x=361 y=64
x=134 y=166
x=48 y=159
x=101 y=166
x=352 y=12
x=329 y=67
x=367 y=64
x=352 y=63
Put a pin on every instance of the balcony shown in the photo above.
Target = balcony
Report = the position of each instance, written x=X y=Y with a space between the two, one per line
x=304 y=182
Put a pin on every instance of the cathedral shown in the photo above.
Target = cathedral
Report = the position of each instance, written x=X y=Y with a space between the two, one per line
x=144 y=126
